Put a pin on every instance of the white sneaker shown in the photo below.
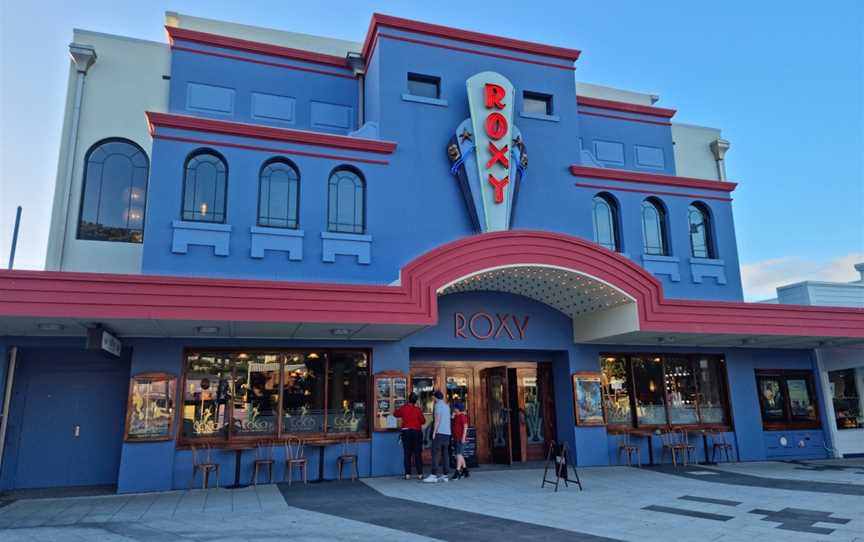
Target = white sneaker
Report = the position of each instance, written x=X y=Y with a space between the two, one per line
x=431 y=479
x=443 y=478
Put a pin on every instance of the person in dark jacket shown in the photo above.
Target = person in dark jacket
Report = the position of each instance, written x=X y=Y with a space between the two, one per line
x=412 y=435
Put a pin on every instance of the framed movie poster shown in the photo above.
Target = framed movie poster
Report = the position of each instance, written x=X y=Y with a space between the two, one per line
x=150 y=412
x=588 y=399
x=391 y=392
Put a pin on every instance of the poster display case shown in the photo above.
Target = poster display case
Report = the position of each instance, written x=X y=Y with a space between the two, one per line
x=150 y=412
x=391 y=392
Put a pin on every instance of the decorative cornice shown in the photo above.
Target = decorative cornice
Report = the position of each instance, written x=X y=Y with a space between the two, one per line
x=650 y=178
x=476 y=38
x=255 y=131
x=237 y=44
x=625 y=107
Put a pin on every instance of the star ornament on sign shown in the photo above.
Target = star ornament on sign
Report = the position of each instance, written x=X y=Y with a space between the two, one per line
x=466 y=136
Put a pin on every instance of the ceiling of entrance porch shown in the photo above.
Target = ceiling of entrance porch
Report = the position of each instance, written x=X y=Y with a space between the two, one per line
x=569 y=292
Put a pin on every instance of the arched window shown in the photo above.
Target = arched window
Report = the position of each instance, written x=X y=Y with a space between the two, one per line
x=278 y=194
x=701 y=241
x=204 y=187
x=654 y=228
x=346 y=201
x=605 y=214
x=114 y=194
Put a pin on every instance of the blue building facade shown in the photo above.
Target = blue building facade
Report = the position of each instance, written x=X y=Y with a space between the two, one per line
x=321 y=235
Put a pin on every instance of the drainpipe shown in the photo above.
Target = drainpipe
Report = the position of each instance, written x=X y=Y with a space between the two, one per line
x=7 y=398
x=358 y=66
x=719 y=148
x=83 y=56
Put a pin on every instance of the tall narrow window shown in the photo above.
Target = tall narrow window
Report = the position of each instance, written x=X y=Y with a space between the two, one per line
x=204 y=187
x=114 y=194
x=654 y=228
x=701 y=245
x=346 y=205
x=278 y=194
x=605 y=214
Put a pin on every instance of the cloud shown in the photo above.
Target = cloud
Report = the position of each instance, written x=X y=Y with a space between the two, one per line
x=761 y=279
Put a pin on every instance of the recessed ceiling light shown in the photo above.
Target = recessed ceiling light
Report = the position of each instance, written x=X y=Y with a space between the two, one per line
x=208 y=330
x=50 y=327
x=340 y=331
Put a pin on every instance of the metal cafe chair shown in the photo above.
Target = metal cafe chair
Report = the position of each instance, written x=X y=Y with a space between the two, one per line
x=671 y=445
x=625 y=446
x=201 y=461
x=684 y=440
x=294 y=457
x=349 y=455
x=263 y=458
x=719 y=442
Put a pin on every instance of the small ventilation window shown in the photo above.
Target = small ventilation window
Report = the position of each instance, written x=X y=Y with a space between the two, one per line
x=536 y=103
x=425 y=86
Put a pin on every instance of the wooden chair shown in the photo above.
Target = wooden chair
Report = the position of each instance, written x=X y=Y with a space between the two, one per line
x=684 y=441
x=671 y=445
x=349 y=455
x=719 y=442
x=201 y=461
x=626 y=447
x=263 y=458
x=294 y=457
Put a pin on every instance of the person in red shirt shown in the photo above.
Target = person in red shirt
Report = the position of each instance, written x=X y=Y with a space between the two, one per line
x=460 y=437
x=412 y=435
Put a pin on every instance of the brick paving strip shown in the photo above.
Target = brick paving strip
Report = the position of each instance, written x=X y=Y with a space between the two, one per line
x=359 y=502
x=800 y=519
x=749 y=480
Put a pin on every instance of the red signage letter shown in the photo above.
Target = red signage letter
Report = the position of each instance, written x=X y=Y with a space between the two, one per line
x=459 y=323
x=494 y=95
x=498 y=155
x=496 y=125
x=499 y=187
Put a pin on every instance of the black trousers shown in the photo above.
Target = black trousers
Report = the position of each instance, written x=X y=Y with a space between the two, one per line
x=412 y=447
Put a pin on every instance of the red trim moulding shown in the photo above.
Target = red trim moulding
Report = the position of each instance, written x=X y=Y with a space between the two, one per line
x=645 y=191
x=263 y=62
x=467 y=36
x=619 y=117
x=45 y=294
x=625 y=107
x=650 y=178
x=303 y=137
x=205 y=38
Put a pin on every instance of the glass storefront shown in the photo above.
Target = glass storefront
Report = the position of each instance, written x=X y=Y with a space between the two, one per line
x=846 y=397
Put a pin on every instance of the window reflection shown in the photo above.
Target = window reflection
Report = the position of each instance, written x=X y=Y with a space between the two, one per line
x=648 y=384
x=347 y=394
x=205 y=399
x=616 y=390
x=423 y=386
x=533 y=410
x=256 y=393
x=457 y=389
x=681 y=391
x=303 y=403
x=710 y=378
x=843 y=386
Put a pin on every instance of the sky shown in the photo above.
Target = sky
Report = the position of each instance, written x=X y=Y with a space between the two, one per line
x=782 y=79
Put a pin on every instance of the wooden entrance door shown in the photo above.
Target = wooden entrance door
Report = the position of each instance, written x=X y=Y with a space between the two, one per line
x=498 y=408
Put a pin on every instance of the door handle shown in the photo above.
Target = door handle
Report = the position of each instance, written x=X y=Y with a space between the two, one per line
x=76 y=431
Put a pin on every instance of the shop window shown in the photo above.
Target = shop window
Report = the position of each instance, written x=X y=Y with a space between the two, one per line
x=654 y=228
x=711 y=382
x=536 y=103
x=205 y=185
x=605 y=215
x=787 y=399
x=648 y=387
x=114 y=192
x=681 y=391
x=616 y=390
x=275 y=393
x=457 y=389
x=533 y=410
x=701 y=242
x=150 y=411
x=846 y=398
x=278 y=194
x=424 y=387
x=425 y=86
x=346 y=201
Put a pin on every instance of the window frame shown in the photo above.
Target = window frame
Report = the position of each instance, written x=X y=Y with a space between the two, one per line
x=423 y=79
x=708 y=228
x=663 y=225
x=538 y=97
x=293 y=166
x=278 y=436
x=87 y=155
x=612 y=203
x=363 y=186
x=726 y=425
x=790 y=423
x=194 y=154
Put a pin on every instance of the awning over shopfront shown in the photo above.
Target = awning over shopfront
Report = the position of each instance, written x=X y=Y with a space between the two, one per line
x=610 y=299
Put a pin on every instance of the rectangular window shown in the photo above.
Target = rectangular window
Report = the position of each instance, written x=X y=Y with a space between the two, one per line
x=536 y=103
x=425 y=86
x=648 y=387
x=616 y=390
x=709 y=375
x=274 y=393
x=846 y=397
x=787 y=399
x=681 y=391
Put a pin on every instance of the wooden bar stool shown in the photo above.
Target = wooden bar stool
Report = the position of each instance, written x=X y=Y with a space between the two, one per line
x=684 y=441
x=294 y=457
x=349 y=455
x=625 y=446
x=671 y=445
x=263 y=458
x=201 y=461
x=719 y=442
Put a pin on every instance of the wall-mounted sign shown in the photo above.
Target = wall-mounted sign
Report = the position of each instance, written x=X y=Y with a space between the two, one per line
x=98 y=338
x=483 y=325
x=487 y=153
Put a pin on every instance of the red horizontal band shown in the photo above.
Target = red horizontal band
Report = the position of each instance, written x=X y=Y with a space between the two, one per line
x=639 y=191
x=468 y=36
x=263 y=62
x=650 y=178
x=205 y=38
x=473 y=51
x=270 y=149
x=303 y=137
x=619 y=117
x=626 y=107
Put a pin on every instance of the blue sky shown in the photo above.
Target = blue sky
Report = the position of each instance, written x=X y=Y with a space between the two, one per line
x=782 y=79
